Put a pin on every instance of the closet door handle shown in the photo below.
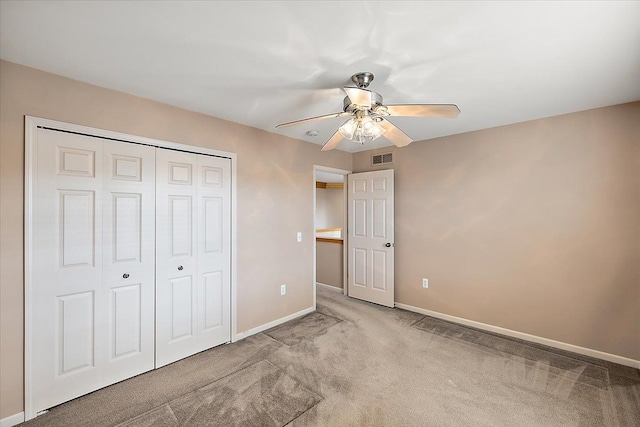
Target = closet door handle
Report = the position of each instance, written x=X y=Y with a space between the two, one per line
x=180 y=267
x=125 y=276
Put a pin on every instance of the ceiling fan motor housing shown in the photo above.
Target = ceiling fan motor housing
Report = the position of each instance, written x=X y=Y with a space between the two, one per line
x=350 y=107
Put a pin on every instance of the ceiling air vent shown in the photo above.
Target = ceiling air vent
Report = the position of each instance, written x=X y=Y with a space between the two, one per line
x=381 y=159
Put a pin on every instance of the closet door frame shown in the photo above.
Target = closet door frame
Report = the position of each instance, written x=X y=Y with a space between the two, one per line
x=31 y=131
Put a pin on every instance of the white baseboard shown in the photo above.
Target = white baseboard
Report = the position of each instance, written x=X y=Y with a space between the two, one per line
x=270 y=325
x=527 y=337
x=331 y=288
x=13 y=420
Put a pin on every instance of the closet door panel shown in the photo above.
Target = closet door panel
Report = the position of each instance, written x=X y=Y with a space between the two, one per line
x=213 y=251
x=129 y=257
x=176 y=261
x=193 y=254
x=67 y=314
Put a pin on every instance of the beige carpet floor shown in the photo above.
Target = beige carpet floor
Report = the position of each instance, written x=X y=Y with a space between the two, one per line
x=352 y=363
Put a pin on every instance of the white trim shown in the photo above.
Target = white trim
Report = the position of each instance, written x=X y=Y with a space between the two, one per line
x=331 y=288
x=330 y=169
x=30 y=166
x=12 y=420
x=274 y=323
x=31 y=127
x=345 y=235
x=527 y=337
x=234 y=248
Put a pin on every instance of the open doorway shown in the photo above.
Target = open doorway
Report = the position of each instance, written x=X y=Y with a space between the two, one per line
x=330 y=219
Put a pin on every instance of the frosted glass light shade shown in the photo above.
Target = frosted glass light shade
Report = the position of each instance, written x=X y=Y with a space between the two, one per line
x=361 y=129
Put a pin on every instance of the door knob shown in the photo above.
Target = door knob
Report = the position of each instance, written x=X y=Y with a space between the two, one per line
x=388 y=245
x=180 y=267
x=125 y=276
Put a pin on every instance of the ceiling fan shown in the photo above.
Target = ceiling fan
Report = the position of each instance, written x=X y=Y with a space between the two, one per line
x=369 y=116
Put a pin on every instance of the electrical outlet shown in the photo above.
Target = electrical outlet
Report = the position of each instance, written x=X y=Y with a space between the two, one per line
x=425 y=283
x=299 y=237
x=283 y=289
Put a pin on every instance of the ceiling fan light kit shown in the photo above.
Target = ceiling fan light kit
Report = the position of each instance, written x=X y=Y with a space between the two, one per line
x=370 y=116
x=361 y=128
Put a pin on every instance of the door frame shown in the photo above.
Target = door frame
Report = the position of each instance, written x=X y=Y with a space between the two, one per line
x=31 y=131
x=344 y=174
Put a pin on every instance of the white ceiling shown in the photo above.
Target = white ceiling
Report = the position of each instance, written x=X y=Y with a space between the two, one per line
x=323 y=176
x=266 y=62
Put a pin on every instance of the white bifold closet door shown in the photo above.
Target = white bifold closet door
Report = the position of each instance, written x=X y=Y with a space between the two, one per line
x=193 y=253
x=90 y=315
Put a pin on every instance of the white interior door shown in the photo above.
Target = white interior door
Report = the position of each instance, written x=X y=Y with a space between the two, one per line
x=192 y=257
x=371 y=236
x=86 y=322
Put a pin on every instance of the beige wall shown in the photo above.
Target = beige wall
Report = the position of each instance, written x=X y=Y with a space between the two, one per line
x=329 y=258
x=329 y=209
x=275 y=197
x=533 y=227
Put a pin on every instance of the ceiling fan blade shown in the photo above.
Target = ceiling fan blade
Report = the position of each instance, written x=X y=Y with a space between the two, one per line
x=313 y=119
x=333 y=142
x=395 y=135
x=361 y=97
x=424 y=110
